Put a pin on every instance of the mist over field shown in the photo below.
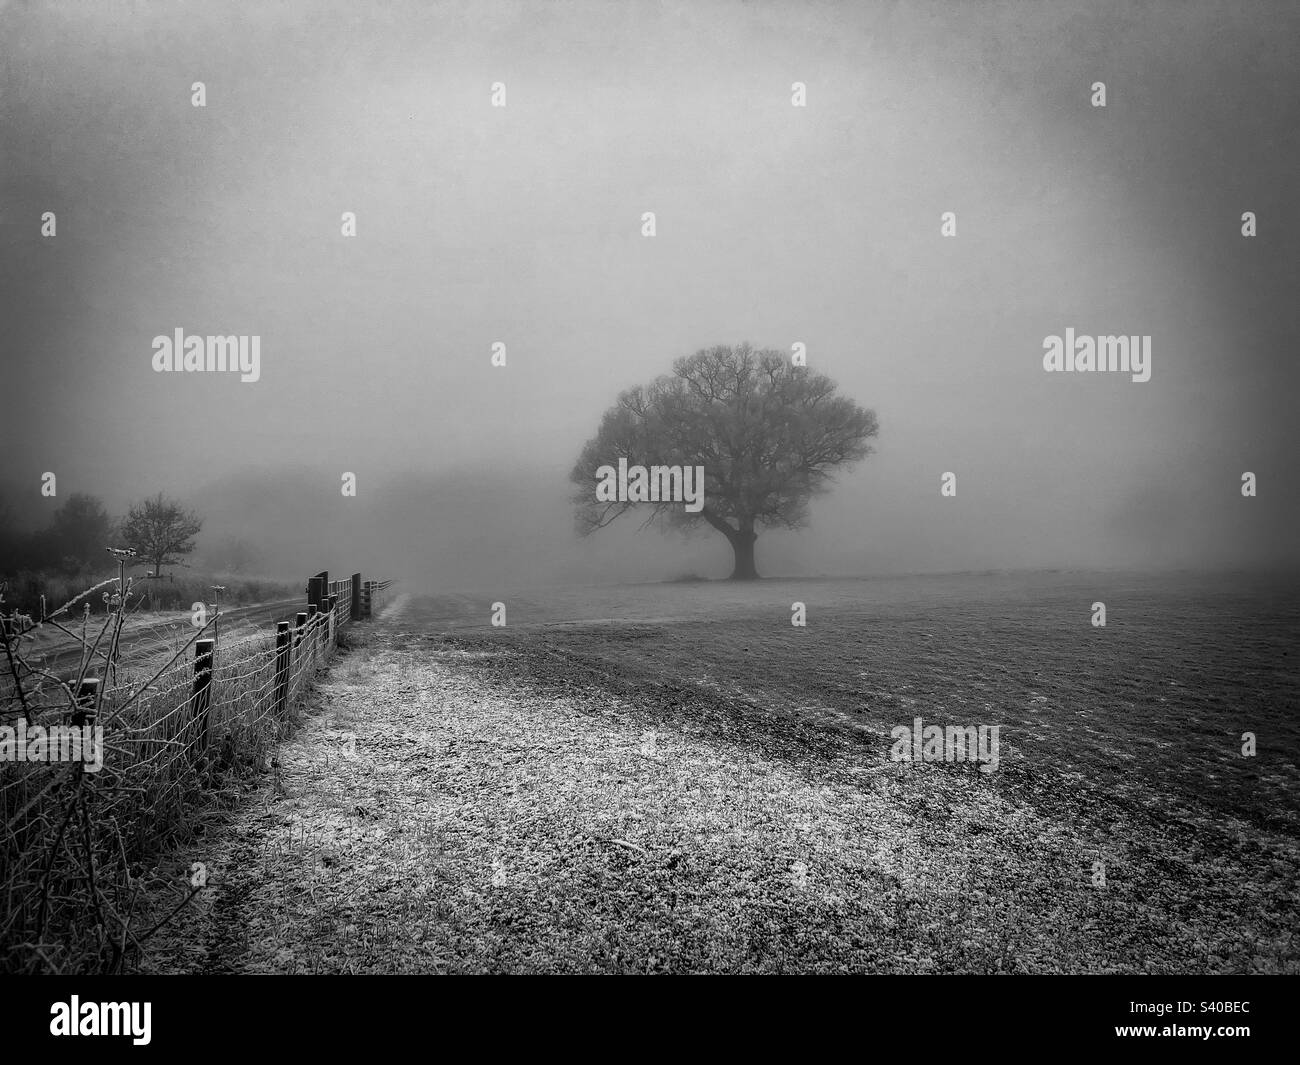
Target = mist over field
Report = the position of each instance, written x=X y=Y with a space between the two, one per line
x=776 y=225
x=482 y=529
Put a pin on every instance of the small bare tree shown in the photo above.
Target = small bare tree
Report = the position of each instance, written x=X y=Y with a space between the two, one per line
x=161 y=531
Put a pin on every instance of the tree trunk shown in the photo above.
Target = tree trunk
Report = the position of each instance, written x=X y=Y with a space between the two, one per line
x=742 y=543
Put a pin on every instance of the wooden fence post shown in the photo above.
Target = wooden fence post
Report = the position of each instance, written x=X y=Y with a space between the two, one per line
x=310 y=634
x=318 y=587
x=299 y=627
x=365 y=600
x=202 y=692
x=283 y=642
x=356 y=597
x=327 y=625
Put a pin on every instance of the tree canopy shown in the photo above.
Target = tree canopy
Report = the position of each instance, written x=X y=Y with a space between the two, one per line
x=79 y=532
x=769 y=435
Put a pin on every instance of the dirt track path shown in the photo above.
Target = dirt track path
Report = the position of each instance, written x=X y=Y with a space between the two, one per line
x=147 y=637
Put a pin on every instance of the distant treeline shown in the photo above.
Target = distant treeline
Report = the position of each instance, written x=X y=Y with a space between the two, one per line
x=70 y=555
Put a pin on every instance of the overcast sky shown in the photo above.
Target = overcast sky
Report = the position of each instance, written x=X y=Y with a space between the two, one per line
x=775 y=224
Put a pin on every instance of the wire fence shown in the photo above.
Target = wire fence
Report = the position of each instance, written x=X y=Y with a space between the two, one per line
x=99 y=773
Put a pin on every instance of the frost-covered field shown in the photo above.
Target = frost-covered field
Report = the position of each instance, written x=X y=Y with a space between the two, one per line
x=673 y=778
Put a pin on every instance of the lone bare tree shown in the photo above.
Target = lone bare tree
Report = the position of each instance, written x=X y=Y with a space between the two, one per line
x=161 y=531
x=769 y=435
